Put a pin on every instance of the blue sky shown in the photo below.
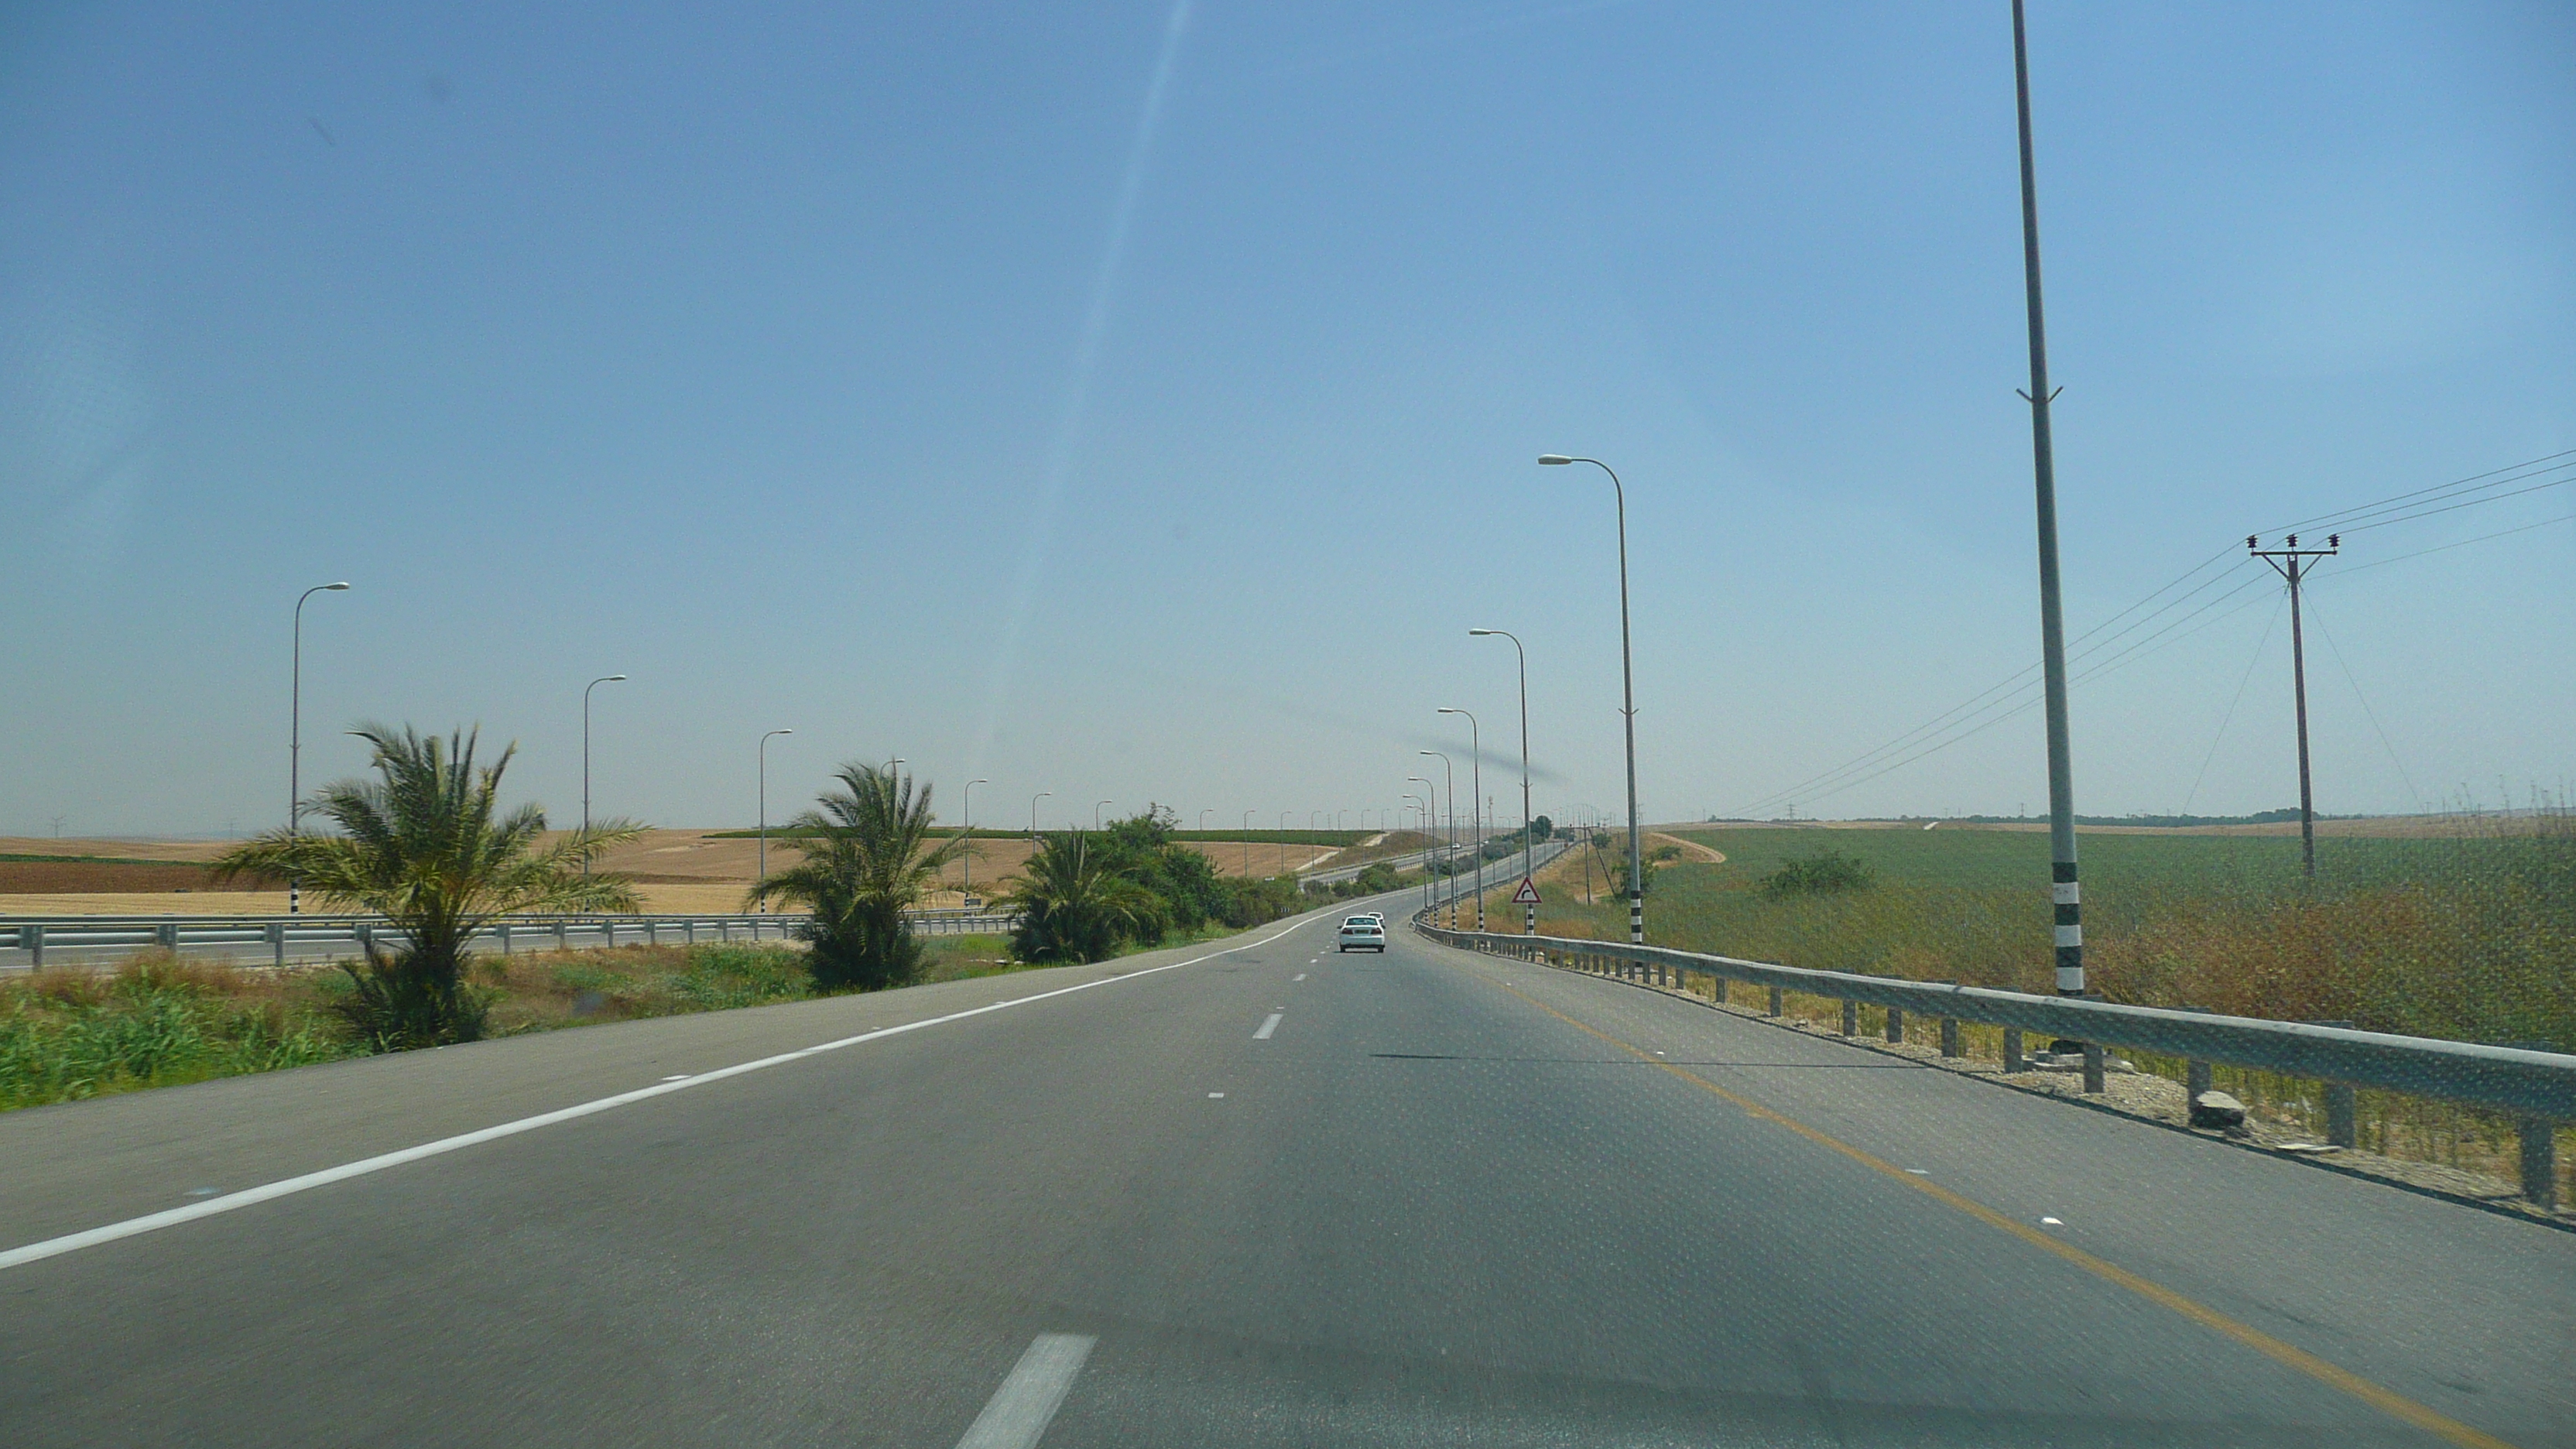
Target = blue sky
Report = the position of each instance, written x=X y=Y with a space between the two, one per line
x=1140 y=403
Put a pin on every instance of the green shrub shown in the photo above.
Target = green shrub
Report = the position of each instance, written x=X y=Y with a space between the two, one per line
x=1823 y=873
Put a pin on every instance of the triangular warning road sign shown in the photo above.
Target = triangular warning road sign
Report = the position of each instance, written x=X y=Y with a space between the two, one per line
x=1527 y=895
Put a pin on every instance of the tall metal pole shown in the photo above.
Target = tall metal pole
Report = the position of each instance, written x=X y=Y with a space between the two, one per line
x=1476 y=804
x=1247 y=845
x=585 y=758
x=1430 y=831
x=1628 y=701
x=1424 y=811
x=1529 y=841
x=295 y=740
x=2290 y=561
x=2064 y=894
x=1283 y=842
x=1095 y=813
x=968 y=809
x=763 y=753
x=1449 y=773
x=1033 y=813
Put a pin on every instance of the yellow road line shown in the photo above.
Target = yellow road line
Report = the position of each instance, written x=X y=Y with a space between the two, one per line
x=2386 y=1401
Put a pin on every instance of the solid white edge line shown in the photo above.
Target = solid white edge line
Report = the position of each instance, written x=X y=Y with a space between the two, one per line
x=287 y=1187
x=1017 y=1415
x=1268 y=1027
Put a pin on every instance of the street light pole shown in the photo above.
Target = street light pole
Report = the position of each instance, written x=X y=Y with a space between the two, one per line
x=295 y=737
x=1203 y=815
x=1450 y=773
x=1476 y=804
x=1528 y=839
x=1430 y=831
x=585 y=758
x=1283 y=845
x=1628 y=699
x=1095 y=813
x=2064 y=894
x=763 y=753
x=1033 y=813
x=968 y=808
x=1247 y=845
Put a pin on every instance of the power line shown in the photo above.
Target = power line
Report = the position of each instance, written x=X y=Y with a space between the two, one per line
x=2018 y=683
x=2330 y=520
x=2230 y=717
x=2369 y=713
x=2463 y=543
x=1985 y=709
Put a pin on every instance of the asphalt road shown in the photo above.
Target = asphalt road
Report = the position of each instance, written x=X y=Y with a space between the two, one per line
x=1274 y=1196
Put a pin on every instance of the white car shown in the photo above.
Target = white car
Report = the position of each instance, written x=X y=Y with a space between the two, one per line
x=1364 y=933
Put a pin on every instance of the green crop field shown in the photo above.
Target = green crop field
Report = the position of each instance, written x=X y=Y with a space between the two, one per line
x=2470 y=938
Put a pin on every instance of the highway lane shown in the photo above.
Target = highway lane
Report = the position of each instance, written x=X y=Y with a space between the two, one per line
x=1444 y=1199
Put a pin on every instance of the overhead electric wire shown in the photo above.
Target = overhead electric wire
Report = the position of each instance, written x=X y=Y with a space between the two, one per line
x=1961 y=721
x=2230 y=717
x=2014 y=684
x=1984 y=710
x=2366 y=711
x=2455 y=507
x=2469 y=484
x=2463 y=543
x=2026 y=703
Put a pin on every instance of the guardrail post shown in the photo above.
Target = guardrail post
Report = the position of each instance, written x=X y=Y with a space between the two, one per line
x=1896 y=1023
x=2093 y=1068
x=2012 y=1050
x=2539 y=1162
x=33 y=938
x=1949 y=1036
x=505 y=938
x=166 y=936
x=276 y=934
x=1851 y=1017
x=563 y=936
x=2340 y=1112
x=1779 y=999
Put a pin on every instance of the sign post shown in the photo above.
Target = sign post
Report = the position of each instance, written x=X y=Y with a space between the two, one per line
x=1527 y=898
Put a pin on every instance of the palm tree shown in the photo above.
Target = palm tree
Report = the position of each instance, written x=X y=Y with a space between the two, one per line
x=1073 y=907
x=425 y=845
x=868 y=857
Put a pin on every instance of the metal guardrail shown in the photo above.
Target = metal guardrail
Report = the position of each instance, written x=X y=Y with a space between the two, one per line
x=2535 y=1088
x=322 y=937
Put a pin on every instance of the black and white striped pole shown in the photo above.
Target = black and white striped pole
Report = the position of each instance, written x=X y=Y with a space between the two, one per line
x=2065 y=896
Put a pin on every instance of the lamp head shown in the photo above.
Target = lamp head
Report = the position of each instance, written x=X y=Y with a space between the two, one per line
x=338 y=587
x=1482 y=633
x=611 y=678
x=1554 y=460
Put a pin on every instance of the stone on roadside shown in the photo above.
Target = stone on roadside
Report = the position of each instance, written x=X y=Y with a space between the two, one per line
x=2217 y=1109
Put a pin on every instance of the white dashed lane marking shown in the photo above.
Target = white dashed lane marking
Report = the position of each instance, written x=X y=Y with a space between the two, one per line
x=1267 y=1028
x=1018 y=1413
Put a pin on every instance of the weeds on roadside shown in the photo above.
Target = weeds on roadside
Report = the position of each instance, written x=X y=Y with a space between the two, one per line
x=156 y=1021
